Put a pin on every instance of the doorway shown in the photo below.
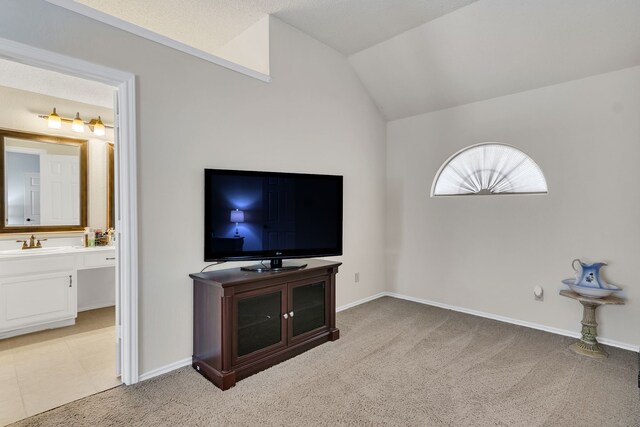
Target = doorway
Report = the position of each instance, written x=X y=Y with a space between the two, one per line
x=124 y=185
x=22 y=178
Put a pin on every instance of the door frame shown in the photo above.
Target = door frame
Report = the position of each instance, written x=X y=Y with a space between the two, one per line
x=23 y=150
x=125 y=180
x=30 y=176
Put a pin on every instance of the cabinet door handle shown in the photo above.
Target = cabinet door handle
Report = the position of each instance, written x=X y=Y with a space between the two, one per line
x=291 y=314
x=110 y=258
x=286 y=316
x=70 y=281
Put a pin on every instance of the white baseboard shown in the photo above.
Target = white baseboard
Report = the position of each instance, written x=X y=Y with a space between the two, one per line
x=557 y=331
x=165 y=369
x=361 y=301
x=38 y=327
x=96 y=306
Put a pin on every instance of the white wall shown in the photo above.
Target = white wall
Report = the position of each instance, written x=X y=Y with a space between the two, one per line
x=314 y=116
x=96 y=288
x=487 y=253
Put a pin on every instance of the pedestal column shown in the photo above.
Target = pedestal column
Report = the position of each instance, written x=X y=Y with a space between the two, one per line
x=588 y=344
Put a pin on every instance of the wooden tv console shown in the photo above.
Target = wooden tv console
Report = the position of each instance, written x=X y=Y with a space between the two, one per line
x=245 y=322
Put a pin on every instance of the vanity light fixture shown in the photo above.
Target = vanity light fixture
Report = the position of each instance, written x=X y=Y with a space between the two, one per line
x=77 y=125
x=53 y=120
x=97 y=126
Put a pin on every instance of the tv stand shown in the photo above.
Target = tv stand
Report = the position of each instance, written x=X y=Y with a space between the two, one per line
x=244 y=321
x=274 y=265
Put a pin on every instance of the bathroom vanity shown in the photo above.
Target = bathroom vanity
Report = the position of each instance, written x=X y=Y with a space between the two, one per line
x=44 y=188
x=38 y=287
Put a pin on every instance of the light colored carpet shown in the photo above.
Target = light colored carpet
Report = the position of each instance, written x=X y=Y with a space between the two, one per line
x=396 y=363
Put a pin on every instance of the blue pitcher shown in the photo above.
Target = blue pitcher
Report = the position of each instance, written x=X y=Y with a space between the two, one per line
x=589 y=274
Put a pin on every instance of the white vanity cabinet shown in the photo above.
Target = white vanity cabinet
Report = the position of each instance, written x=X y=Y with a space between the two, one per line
x=37 y=290
x=37 y=299
x=40 y=291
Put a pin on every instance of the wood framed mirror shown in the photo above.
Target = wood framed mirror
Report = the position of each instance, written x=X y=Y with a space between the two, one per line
x=44 y=183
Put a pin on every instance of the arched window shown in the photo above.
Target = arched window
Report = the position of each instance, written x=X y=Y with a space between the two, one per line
x=489 y=168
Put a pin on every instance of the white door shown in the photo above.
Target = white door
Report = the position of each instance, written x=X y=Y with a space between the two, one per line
x=59 y=189
x=31 y=198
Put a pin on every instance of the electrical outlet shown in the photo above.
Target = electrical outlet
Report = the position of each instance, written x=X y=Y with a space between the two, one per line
x=357 y=277
x=538 y=293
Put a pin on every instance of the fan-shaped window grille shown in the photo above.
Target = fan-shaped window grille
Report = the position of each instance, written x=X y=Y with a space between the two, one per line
x=489 y=168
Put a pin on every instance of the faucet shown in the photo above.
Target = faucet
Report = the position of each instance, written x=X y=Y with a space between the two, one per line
x=32 y=243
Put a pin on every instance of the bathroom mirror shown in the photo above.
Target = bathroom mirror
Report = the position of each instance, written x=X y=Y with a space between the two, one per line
x=44 y=183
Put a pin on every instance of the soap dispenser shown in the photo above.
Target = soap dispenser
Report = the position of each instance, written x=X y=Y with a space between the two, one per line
x=85 y=237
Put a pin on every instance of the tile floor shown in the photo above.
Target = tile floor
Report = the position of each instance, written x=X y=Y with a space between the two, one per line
x=43 y=370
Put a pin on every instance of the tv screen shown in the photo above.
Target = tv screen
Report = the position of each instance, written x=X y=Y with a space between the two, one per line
x=271 y=215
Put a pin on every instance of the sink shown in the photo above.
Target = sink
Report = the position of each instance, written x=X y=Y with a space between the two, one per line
x=36 y=251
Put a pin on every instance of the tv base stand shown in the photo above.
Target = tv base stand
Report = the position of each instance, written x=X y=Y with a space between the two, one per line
x=274 y=265
x=247 y=321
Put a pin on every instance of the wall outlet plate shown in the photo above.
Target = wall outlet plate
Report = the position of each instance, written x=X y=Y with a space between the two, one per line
x=538 y=293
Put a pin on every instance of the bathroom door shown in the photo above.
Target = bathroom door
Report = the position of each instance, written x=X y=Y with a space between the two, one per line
x=59 y=189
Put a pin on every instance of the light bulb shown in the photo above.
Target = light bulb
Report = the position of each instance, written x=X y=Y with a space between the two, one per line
x=53 y=121
x=78 y=124
x=98 y=127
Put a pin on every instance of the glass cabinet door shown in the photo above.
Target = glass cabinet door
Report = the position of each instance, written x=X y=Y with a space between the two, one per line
x=308 y=304
x=259 y=321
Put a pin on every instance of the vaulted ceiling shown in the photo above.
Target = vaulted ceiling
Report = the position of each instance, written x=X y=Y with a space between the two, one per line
x=346 y=25
x=417 y=56
x=493 y=48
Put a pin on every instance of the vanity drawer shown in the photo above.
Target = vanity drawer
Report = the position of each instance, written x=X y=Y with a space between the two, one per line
x=36 y=264
x=99 y=259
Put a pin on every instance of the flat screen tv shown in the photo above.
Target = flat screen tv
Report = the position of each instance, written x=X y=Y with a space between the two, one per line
x=250 y=215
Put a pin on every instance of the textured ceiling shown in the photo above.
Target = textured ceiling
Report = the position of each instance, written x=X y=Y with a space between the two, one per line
x=44 y=82
x=346 y=25
x=493 y=48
